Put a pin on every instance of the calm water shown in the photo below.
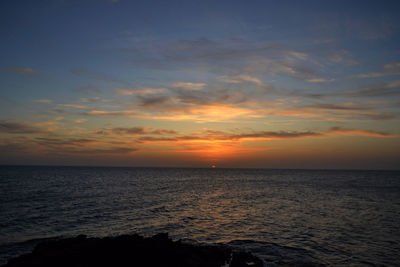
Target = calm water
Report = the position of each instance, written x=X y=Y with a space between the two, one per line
x=284 y=216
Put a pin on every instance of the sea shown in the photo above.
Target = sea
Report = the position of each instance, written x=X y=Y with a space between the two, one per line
x=285 y=217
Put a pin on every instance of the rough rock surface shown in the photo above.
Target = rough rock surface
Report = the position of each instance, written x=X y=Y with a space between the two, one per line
x=131 y=250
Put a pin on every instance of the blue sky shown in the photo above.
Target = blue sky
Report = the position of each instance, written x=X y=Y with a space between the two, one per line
x=277 y=84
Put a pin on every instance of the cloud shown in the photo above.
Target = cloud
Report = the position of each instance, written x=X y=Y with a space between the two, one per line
x=89 y=100
x=111 y=114
x=388 y=70
x=319 y=80
x=19 y=128
x=141 y=92
x=342 y=56
x=22 y=70
x=88 y=90
x=346 y=131
x=80 y=121
x=74 y=106
x=269 y=135
x=243 y=77
x=158 y=102
x=332 y=112
x=189 y=86
x=97 y=151
x=299 y=55
x=391 y=88
x=226 y=57
x=113 y=150
x=140 y=131
x=220 y=136
x=46 y=101
x=49 y=141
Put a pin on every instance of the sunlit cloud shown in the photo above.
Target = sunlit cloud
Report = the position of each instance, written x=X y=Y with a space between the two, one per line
x=141 y=92
x=208 y=113
x=319 y=80
x=189 y=86
x=80 y=121
x=74 y=106
x=249 y=78
x=299 y=55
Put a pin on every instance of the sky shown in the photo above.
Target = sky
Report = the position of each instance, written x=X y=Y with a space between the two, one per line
x=249 y=84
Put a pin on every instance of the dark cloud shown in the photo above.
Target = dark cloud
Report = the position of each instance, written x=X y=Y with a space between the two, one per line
x=110 y=114
x=94 y=151
x=18 y=128
x=278 y=135
x=341 y=130
x=11 y=148
x=140 y=131
x=151 y=101
x=336 y=107
x=386 y=89
x=62 y=141
x=225 y=136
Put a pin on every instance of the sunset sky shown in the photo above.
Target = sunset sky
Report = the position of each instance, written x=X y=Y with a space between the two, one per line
x=270 y=84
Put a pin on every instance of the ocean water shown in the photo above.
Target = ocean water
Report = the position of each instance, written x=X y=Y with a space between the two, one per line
x=286 y=217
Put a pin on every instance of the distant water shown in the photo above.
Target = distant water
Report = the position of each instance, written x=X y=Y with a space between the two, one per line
x=336 y=218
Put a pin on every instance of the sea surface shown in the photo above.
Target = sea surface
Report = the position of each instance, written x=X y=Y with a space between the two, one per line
x=286 y=217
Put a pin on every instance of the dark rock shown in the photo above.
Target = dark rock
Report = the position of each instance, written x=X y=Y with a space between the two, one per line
x=130 y=250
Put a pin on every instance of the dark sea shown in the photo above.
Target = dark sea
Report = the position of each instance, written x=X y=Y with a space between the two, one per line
x=286 y=217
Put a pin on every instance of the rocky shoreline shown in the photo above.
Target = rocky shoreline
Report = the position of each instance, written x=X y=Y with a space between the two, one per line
x=131 y=250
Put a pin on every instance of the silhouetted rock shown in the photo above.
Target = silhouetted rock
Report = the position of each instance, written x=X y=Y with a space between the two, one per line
x=131 y=250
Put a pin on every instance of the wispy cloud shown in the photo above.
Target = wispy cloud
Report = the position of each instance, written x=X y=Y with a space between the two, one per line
x=19 y=128
x=22 y=70
x=80 y=121
x=319 y=80
x=46 y=101
x=388 y=70
x=333 y=112
x=189 y=85
x=212 y=136
x=111 y=114
x=73 y=106
x=140 y=92
x=226 y=57
x=139 y=131
x=241 y=78
x=391 y=88
x=347 y=131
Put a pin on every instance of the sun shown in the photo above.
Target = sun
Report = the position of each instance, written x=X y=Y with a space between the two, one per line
x=213 y=166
